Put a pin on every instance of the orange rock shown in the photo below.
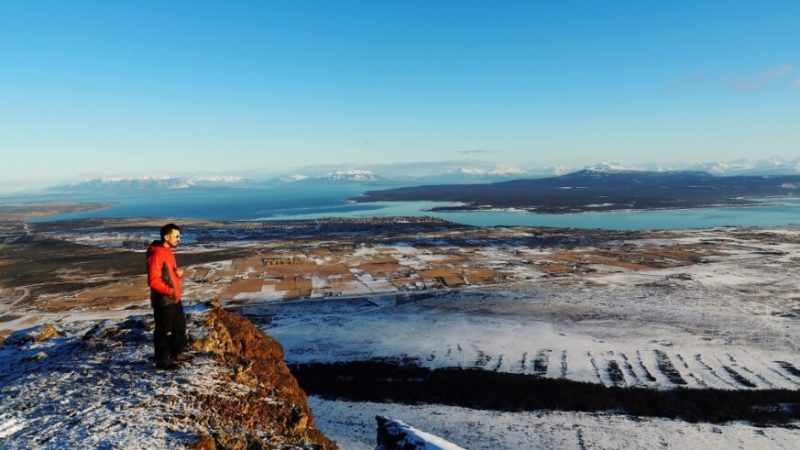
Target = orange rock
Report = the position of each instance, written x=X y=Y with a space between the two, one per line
x=204 y=442
x=46 y=332
x=274 y=400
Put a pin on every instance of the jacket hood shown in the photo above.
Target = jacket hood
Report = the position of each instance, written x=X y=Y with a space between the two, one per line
x=155 y=247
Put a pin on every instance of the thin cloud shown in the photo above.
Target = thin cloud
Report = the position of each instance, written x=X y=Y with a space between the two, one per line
x=478 y=152
x=764 y=79
x=688 y=82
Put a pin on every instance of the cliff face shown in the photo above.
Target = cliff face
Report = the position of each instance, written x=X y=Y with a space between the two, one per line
x=274 y=409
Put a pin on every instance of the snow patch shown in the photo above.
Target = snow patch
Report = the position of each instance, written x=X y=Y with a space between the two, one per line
x=401 y=435
x=9 y=426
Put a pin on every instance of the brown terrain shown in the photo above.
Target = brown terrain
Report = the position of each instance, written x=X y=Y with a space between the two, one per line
x=274 y=413
x=28 y=211
x=94 y=269
x=75 y=267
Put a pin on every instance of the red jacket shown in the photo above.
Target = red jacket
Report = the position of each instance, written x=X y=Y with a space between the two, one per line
x=162 y=275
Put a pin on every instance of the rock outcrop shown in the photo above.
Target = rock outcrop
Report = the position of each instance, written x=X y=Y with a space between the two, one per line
x=93 y=384
x=274 y=409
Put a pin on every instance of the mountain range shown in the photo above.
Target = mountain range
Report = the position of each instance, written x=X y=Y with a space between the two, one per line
x=598 y=189
x=423 y=173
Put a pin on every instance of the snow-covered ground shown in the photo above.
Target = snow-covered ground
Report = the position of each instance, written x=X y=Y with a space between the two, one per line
x=393 y=433
x=352 y=426
x=94 y=387
x=728 y=322
x=710 y=339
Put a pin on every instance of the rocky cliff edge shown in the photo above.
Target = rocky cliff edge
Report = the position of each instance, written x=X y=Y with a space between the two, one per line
x=92 y=384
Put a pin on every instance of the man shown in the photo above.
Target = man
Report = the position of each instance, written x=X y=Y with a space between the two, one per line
x=164 y=278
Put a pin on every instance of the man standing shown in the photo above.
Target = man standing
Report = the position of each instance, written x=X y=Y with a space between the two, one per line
x=164 y=278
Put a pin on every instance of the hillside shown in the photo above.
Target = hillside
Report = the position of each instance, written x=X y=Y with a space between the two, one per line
x=91 y=384
x=541 y=337
x=596 y=190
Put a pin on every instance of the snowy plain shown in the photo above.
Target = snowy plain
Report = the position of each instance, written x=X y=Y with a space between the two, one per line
x=576 y=335
x=729 y=322
x=94 y=387
x=352 y=426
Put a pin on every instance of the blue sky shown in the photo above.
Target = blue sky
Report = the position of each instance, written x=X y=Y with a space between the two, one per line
x=141 y=88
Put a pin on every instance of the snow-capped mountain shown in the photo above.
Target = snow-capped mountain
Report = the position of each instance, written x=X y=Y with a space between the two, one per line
x=770 y=166
x=497 y=171
x=128 y=184
x=605 y=167
x=218 y=180
x=110 y=184
x=436 y=172
x=354 y=176
x=466 y=172
x=478 y=174
x=424 y=173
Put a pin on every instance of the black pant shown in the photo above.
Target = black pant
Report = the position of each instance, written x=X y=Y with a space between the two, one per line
x=169 y=336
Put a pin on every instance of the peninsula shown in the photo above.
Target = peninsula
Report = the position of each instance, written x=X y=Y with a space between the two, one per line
x=598 y=190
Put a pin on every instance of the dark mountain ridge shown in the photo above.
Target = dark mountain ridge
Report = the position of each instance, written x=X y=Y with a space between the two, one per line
x=594 y=190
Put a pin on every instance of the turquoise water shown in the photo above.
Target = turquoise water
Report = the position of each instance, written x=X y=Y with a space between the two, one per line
x=779 y=212
x=214 y=203
x=271 y=203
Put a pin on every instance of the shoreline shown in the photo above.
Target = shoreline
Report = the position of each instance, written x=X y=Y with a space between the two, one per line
x=591 y=210
x=25 y=212
x=456 y=214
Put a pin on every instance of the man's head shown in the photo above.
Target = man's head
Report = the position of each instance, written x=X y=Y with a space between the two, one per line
x=170 y=235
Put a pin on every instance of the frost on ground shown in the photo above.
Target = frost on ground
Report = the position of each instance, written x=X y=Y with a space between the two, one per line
x=95 y=387
x=729 y=322
x=92 y=384
x=613 y=336
x=726 y=322
x=701 y=309
x=352 y=425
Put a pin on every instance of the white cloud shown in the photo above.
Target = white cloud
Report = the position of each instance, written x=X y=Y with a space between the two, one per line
x=764 y=79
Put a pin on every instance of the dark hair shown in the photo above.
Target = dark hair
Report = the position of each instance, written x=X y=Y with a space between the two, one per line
x=167 y=229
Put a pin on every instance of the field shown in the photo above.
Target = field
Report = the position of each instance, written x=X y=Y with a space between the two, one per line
x=684 y=328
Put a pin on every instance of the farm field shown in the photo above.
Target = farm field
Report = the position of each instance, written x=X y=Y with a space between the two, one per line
x=546 y=310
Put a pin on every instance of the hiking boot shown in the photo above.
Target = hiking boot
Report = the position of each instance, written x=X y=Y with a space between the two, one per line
x=167 y=365
x=182 y=357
